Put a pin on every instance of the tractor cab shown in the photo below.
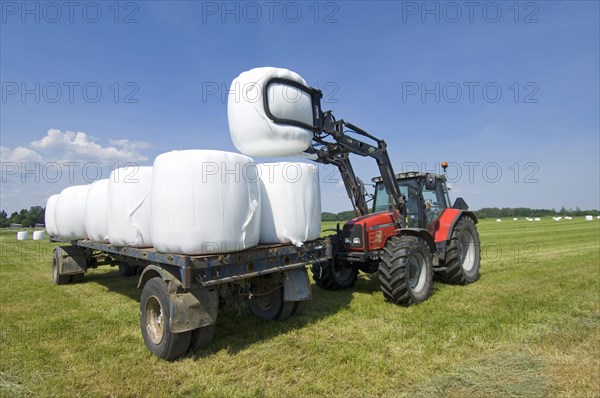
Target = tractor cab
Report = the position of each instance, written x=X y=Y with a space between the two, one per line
x=425 y=196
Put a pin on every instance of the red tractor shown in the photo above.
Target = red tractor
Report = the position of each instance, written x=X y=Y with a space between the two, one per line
x=412 y=230
x=437 y=238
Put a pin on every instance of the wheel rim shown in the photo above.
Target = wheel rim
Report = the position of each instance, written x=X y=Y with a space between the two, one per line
x=417 y=273
x=467 y=250
x=265 y=302
x=154 y=320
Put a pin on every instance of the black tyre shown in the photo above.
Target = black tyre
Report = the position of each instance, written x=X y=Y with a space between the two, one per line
x=331 y=275
x=270 y=305
x=202 y=337
x=77 y=278
x=154 y=322
x=406 y=270
x=299 y=307
x=126 y=270
x=463 y=255
x=57 y=278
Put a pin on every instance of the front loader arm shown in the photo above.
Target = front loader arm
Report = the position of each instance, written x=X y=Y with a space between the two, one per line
x=337 y=153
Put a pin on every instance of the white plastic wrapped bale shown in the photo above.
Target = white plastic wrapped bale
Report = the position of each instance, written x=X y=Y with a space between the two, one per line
x=69 y=212
x=252 y=132
x=96 y=211
x=39 y=235
x=290 y=203
x=205 y=201
x=22 y=235
x=49 y=219
x=129 y=208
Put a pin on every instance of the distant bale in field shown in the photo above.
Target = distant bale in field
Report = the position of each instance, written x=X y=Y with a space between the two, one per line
x=589 y=218
x=537 y=219
x=39 y=235
x=515 y=219
x=22 y=235
x=498 y=220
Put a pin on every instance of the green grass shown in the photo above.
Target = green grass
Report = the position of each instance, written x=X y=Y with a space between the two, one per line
x=528 y=328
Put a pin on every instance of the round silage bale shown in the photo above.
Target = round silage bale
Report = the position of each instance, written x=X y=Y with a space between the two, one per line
x=205 y=201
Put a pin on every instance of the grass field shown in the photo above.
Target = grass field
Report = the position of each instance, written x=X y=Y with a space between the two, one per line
x=528 y=328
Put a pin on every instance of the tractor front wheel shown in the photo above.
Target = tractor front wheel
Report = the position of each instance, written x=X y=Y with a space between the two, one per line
x=406 y=270
x=462 y=254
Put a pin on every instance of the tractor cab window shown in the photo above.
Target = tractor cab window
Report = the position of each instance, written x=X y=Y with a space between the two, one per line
x=435 y=202
x=382 y=199
x=410 y=190
x=423 y=206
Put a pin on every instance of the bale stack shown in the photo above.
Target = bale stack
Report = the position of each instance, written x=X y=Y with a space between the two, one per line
x=205 y=201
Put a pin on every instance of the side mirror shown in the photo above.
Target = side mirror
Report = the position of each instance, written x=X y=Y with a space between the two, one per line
x=430 y=182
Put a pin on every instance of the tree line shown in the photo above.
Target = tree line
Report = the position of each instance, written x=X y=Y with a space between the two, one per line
x=487 y=212
x=27 y=218
x=495 y=212
x=35 y=214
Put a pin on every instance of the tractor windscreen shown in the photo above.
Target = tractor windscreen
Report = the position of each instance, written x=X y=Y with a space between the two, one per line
x=409 y=188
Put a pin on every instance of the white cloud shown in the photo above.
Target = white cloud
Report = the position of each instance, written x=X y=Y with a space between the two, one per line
x=129 y=145
x=79 y=146
x=19 y=154
x=31 y=173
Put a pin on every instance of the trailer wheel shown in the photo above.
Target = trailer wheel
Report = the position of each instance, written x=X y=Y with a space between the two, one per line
x=299 y=307
x=57 y=278
x=331 y=275
x=270 y=305
x=154 y=322
x=126 y=270
x=406 y=270
x=463 y=254
x=202 y=337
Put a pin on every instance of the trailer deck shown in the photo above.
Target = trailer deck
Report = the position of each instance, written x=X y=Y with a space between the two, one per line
x=213 y=269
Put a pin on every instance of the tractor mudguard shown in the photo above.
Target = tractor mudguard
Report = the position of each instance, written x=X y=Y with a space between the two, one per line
x=447 y=221
x=420 y=233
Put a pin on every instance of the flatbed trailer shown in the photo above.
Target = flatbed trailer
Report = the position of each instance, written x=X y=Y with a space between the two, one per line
x=182 y=294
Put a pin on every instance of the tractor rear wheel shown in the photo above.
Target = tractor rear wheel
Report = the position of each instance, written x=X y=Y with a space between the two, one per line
x=463 y=254
x=406 y=270
x=331 y=275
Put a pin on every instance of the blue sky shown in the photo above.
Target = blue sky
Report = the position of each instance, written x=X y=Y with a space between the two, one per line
x=507 y=92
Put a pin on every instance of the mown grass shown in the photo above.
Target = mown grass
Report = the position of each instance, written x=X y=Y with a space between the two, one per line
x=528 y=328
